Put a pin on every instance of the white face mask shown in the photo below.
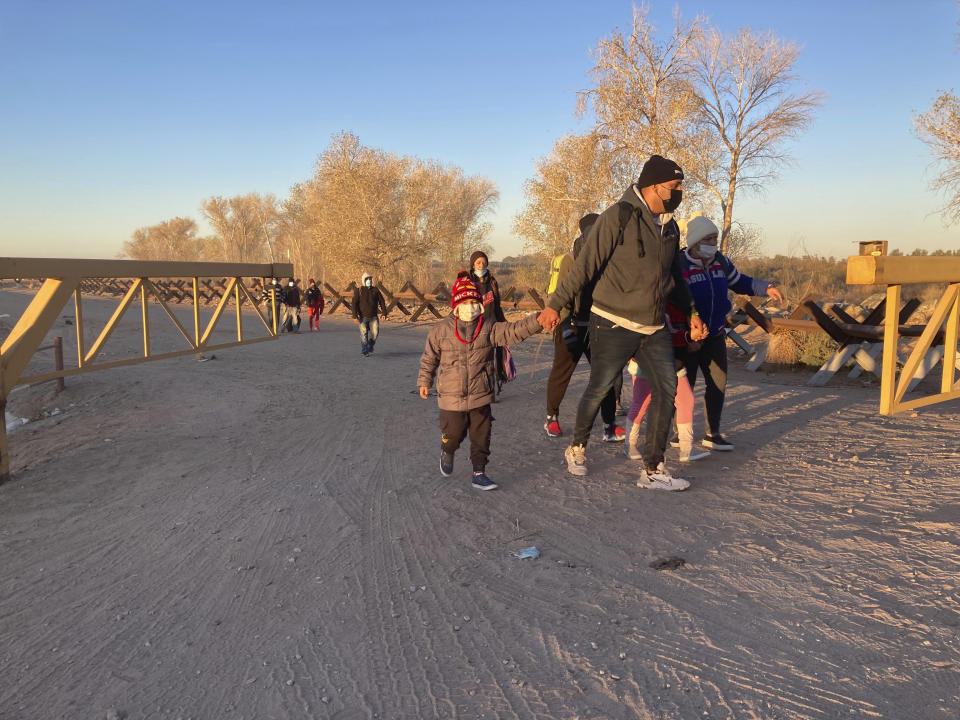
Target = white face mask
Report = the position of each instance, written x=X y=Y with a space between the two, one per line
x=707 y=252
x=480 y=272
x=468 y=311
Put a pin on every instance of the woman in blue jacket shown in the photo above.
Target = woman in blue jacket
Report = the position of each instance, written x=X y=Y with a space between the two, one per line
x=710 y=275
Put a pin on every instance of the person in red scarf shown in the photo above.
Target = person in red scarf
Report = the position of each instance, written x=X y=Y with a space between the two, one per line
x=460 y=354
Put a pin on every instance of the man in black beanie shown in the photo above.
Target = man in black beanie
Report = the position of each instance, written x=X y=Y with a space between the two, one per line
x=630 y=256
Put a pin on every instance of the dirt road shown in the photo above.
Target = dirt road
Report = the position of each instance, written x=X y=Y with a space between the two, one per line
x=267 y=535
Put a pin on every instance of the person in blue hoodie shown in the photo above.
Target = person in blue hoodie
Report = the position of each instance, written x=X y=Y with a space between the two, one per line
x=710 y=274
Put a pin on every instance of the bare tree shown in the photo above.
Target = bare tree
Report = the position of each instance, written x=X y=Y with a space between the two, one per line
x=582 y=174
x=939 y=128
x=245 y=226
x=720 y=105
x=744 y=84
x=174 y=239
x=367 y=209
x=644 y=100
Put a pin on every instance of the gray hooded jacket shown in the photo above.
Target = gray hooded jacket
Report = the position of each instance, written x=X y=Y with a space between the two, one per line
x=635 y=273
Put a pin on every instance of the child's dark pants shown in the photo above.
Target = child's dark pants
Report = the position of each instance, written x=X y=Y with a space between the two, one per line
x=455 y=424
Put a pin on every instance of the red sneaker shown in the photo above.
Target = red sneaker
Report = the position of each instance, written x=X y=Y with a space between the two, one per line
x=552 y=427
x=614 y=433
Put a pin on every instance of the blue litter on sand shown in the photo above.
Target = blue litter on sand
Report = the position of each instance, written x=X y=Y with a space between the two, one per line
x=530 y=552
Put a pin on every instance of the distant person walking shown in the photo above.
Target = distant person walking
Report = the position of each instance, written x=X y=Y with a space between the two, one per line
x=631 y=256
x=291 y=307
x=315 y=304
x=709 y=275
x=272 y=298
x=367 y=300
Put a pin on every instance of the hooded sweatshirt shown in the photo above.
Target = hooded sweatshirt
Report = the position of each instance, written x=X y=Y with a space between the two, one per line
x=634 y=273
x=367 y=300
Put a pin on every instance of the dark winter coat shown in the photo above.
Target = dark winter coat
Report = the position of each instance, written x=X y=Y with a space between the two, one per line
x=314 y=298
x=366 y=301
x=634 y=274
x=291 y=296
x=465 y=371
x=489 y=291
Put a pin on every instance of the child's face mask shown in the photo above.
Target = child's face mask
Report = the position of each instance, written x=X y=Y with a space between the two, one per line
x=368 y=282
x=707 y=252
x=468 y=311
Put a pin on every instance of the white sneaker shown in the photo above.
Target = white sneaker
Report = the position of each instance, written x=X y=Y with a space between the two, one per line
x=576 y=457
x=693 y=455
x=661 y=480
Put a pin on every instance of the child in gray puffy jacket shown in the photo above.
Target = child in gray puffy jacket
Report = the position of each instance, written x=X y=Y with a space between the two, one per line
x=460 y=354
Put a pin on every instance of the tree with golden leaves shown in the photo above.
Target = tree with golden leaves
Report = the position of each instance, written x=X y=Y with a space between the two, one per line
x=580 y=175
x=174 y=239
x=939 y=128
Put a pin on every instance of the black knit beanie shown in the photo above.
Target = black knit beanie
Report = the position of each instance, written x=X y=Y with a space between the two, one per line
x=658 y=170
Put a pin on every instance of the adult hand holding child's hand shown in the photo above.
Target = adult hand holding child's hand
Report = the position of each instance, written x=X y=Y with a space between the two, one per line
x=548 y=318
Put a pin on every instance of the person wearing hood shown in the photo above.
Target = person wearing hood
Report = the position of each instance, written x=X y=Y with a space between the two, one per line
x=459 y=354
x=487 y=286
x=709 y=275
x=272 y=299
x=291 y=307
x=489 y=290
x=631 y=257
x=367 y=299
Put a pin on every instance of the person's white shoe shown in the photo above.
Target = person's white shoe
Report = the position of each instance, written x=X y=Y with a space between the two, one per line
x=693 y=455
x=661 y=479
x=576 y=457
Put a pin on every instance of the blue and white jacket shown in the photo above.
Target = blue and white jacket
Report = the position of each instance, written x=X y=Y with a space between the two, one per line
x=709 y=286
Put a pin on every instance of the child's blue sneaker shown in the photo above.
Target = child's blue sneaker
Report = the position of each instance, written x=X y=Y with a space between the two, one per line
x=482 y=482
x=446 y=463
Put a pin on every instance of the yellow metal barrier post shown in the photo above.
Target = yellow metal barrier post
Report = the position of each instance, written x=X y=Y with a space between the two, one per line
x=61 y=282
x=895 y=272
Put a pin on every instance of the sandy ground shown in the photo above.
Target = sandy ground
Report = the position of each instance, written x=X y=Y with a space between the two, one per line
x=267 y=535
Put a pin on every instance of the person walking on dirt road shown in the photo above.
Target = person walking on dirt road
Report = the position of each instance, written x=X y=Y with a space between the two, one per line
x=367 y=299
x=631 y=255
x=459 y=353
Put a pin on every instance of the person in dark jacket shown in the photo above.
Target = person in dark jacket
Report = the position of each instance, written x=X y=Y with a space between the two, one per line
x=291 y=307
x=710 y=275
x=631 y=254
x=272 y=293
x=489 y=291
x=571 y=341
x=315 y=304
x=487 y=286
x=367 y=299
x=459 y=353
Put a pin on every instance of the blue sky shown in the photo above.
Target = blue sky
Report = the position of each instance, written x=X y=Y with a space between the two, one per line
x=117 y=115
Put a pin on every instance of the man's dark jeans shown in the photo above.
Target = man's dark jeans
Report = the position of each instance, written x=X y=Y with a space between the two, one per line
x=611 y=348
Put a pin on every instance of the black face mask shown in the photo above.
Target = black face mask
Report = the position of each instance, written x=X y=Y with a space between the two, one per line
x=676 y=197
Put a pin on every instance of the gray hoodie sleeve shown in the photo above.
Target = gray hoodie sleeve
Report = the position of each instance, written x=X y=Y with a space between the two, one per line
x=507 y=333
x=598 y=246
